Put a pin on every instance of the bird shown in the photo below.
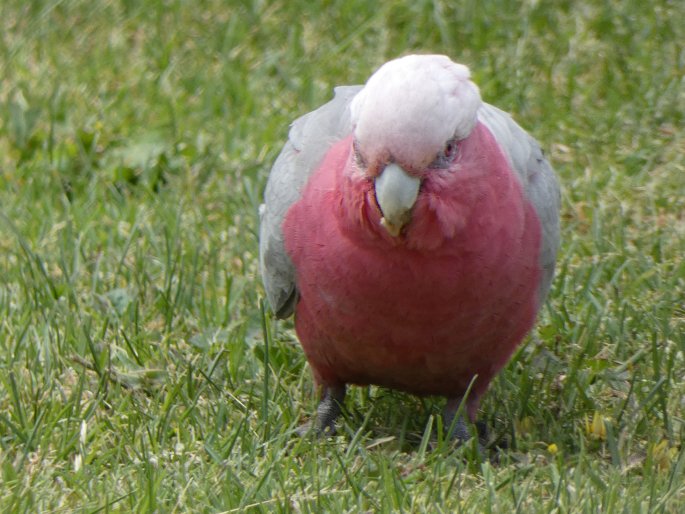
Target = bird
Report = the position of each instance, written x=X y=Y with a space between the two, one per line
x=412 y=229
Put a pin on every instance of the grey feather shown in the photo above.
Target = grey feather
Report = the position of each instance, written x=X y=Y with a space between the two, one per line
x=309 y=139
x=313 y=134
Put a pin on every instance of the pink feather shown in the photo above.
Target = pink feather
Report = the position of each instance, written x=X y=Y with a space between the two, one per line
x=448 y=300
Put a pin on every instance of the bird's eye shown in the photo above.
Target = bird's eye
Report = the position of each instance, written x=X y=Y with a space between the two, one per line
x=450 y=149
x=447 y=155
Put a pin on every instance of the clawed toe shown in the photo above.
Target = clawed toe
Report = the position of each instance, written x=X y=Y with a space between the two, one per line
x=313 y=427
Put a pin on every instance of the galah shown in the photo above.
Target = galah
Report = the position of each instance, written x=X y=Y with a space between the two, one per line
x=412 y=229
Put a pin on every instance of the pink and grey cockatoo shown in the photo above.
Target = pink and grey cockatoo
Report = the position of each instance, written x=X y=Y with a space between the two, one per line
x=412 y=229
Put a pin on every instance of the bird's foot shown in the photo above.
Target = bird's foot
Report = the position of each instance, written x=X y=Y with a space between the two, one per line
x=461 y=431
x=327 y=412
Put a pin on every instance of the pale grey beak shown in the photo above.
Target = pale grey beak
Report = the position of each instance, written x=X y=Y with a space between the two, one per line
x=396 y=193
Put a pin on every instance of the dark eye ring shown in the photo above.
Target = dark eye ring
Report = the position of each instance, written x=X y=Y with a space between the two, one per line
x=361 y=162
x=447 y=155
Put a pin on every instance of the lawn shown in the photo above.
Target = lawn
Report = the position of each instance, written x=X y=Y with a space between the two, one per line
x=139 y=370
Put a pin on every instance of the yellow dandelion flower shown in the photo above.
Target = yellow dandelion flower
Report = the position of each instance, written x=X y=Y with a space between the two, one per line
x=663 y=455
x=596 y=428
x=524 y=426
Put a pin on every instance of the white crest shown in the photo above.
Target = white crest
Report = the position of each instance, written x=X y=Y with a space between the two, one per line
x=412 y=106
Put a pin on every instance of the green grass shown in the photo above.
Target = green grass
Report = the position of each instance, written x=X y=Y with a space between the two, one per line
x=135 y=140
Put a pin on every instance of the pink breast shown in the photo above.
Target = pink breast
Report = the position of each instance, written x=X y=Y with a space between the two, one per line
x=450 y=300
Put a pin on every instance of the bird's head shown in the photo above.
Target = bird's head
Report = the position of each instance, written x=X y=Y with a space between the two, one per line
x=408 y=122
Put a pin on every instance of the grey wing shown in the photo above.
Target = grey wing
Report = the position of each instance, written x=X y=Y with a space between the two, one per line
x=538 y=179
x=309 y=138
